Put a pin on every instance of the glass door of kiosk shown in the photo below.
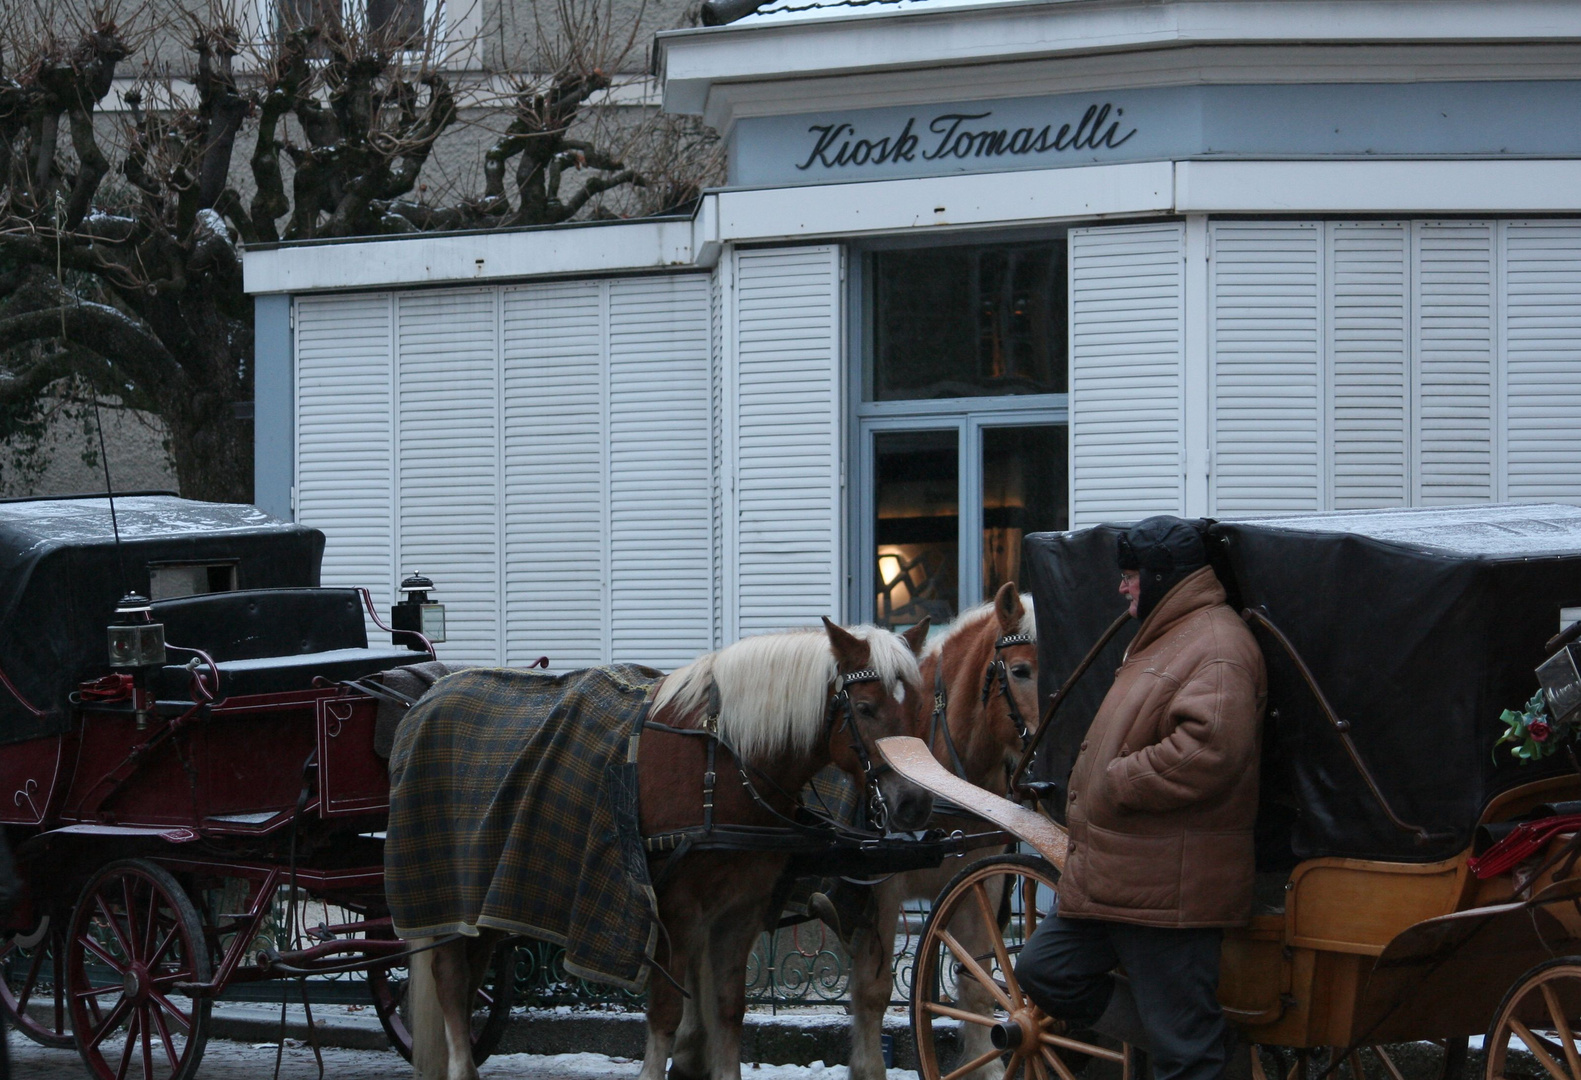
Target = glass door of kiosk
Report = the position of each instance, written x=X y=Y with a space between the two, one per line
x=961 y=423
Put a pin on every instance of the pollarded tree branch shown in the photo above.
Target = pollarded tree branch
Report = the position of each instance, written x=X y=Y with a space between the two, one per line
x=107 y=331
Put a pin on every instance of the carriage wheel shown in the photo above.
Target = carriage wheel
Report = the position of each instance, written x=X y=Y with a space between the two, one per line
x=33 y=966
x=491 y=1006
x=1543 y=1011
x=134 y=939
x=964 y=989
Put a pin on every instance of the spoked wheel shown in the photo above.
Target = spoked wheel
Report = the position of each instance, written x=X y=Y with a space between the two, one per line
x=33 y=968
x=491 y=1006
x=968 y=1014
x=135 y=938
x=1542 y=1012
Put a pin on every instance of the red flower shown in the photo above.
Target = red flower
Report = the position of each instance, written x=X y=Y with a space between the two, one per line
x=1538 y=729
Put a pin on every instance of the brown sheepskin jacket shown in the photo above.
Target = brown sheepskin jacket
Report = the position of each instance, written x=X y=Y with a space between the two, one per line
x=1164 y=792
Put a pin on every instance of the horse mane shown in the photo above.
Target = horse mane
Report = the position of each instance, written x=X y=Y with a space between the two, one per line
x=971 y=617
x=773 y=687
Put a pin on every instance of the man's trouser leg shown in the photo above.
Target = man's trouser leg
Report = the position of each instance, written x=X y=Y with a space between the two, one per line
x=1067 y=969
x=1175 y=978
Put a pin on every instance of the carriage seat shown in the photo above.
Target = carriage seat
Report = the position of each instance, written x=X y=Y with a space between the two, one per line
x=265 y=641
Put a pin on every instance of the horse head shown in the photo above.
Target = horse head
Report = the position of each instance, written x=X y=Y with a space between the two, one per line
x=875 y=674
x=1010 y=681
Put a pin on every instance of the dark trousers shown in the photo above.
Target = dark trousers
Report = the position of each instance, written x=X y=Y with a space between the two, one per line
x=1068 y=970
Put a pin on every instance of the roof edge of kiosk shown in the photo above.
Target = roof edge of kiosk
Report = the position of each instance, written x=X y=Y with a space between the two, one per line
x=800 y=39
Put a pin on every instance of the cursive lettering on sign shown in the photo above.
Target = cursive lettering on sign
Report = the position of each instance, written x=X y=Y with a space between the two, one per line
x=962 y=135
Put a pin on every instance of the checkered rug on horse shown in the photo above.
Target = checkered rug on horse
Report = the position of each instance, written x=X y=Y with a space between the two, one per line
x=513 y=807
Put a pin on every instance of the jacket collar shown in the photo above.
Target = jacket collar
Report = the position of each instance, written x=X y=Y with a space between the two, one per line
x=1198 y=590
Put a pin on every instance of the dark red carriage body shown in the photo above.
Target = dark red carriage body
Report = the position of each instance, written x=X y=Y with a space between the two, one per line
x=255 y=764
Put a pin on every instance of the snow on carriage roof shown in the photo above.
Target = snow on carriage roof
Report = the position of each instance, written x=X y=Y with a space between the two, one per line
x=86 y=521
x=1500 y=532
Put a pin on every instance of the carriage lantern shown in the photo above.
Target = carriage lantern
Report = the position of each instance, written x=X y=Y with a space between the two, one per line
x=136 y=640
x=417 y=612
x=1560 y=677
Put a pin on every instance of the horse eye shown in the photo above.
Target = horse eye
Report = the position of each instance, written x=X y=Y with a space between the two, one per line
x=865 y=708
x=1022 y=671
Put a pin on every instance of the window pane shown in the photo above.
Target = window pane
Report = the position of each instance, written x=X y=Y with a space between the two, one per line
x=968 y=321
x=397 y=21
x=1024 y=490
x=917 y=504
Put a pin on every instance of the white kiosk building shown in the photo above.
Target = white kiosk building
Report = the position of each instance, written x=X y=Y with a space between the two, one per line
x=981 y=268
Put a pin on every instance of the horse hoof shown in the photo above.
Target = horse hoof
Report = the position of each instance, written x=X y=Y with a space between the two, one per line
x=677 y=1073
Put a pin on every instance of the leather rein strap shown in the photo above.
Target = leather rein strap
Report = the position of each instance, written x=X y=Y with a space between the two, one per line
x=996 y=672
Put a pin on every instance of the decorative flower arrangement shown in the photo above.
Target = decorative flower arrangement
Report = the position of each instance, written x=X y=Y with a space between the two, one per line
x=1532 y=735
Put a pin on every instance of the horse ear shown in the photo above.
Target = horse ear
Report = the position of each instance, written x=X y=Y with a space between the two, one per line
x=1007 y=604
x=917 y=636
x=850 y=651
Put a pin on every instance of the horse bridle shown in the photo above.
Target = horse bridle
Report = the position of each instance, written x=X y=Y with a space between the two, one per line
x=997 y=671
x=840 y=704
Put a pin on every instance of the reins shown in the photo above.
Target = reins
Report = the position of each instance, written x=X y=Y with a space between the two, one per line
x=997 y=671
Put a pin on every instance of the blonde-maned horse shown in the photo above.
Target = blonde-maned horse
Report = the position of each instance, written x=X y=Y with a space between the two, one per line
x=981 y=741
x=784 y=706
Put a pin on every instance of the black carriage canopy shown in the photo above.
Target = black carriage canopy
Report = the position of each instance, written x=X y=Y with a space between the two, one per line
x=1420 y=626
x=60 y=579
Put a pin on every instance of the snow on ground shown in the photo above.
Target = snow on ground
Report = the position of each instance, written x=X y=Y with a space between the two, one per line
x=600 y=1067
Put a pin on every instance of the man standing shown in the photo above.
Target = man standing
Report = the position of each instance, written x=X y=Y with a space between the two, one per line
x=1161 y=804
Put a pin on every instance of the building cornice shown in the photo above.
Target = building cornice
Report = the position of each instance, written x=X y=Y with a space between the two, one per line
x=702 y=68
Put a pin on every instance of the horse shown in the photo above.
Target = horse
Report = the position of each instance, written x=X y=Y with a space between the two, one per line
x=982 y=670
x=771 y=710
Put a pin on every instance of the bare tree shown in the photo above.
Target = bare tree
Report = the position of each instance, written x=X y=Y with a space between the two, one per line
x=119 y=233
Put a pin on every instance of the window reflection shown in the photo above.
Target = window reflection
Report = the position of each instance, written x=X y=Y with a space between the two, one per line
x=917 y=505
x=1024 y=476
x=968 y=321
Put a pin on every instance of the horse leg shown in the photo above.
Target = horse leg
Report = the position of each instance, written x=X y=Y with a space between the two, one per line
x=664 y=998
x=690 y=1057
x=872 y=981
x=453 y=986
x=730 y=946
x=437 y=1000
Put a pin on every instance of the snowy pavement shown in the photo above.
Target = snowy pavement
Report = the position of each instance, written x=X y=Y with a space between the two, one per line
x=244 y=1061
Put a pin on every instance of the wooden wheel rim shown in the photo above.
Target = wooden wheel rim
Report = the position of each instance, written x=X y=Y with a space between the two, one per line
x=24 y=968
x=1025 y=1038
x=134 y=936
x=1541 y=1012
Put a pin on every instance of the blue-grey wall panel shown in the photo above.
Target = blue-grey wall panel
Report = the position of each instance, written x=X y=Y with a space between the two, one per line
x=274 y=406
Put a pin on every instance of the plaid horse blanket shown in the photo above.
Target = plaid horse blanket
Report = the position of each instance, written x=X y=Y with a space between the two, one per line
x=513 y=806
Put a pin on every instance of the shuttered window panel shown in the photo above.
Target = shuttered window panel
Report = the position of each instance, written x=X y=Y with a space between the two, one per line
x=717 y=439
x=1455 y=283
x=1369 y=363
x=787 y=437
x=660 y=470
x=447 y=461
x=344 y=470
x=1126 y=372
x=553 y=490
x=1266 y=349
x=1543 y=360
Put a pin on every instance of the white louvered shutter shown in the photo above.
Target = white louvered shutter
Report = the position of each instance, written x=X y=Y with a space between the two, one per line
x=660 y=470
x=1543 y=360
x=344 y=476
x=553 y=454
x=787 y=437
x=1127 y=458
x=717 y=465
x=1266 y=340
x=1455 y=283
x=1369 y=363
x=447 y=460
